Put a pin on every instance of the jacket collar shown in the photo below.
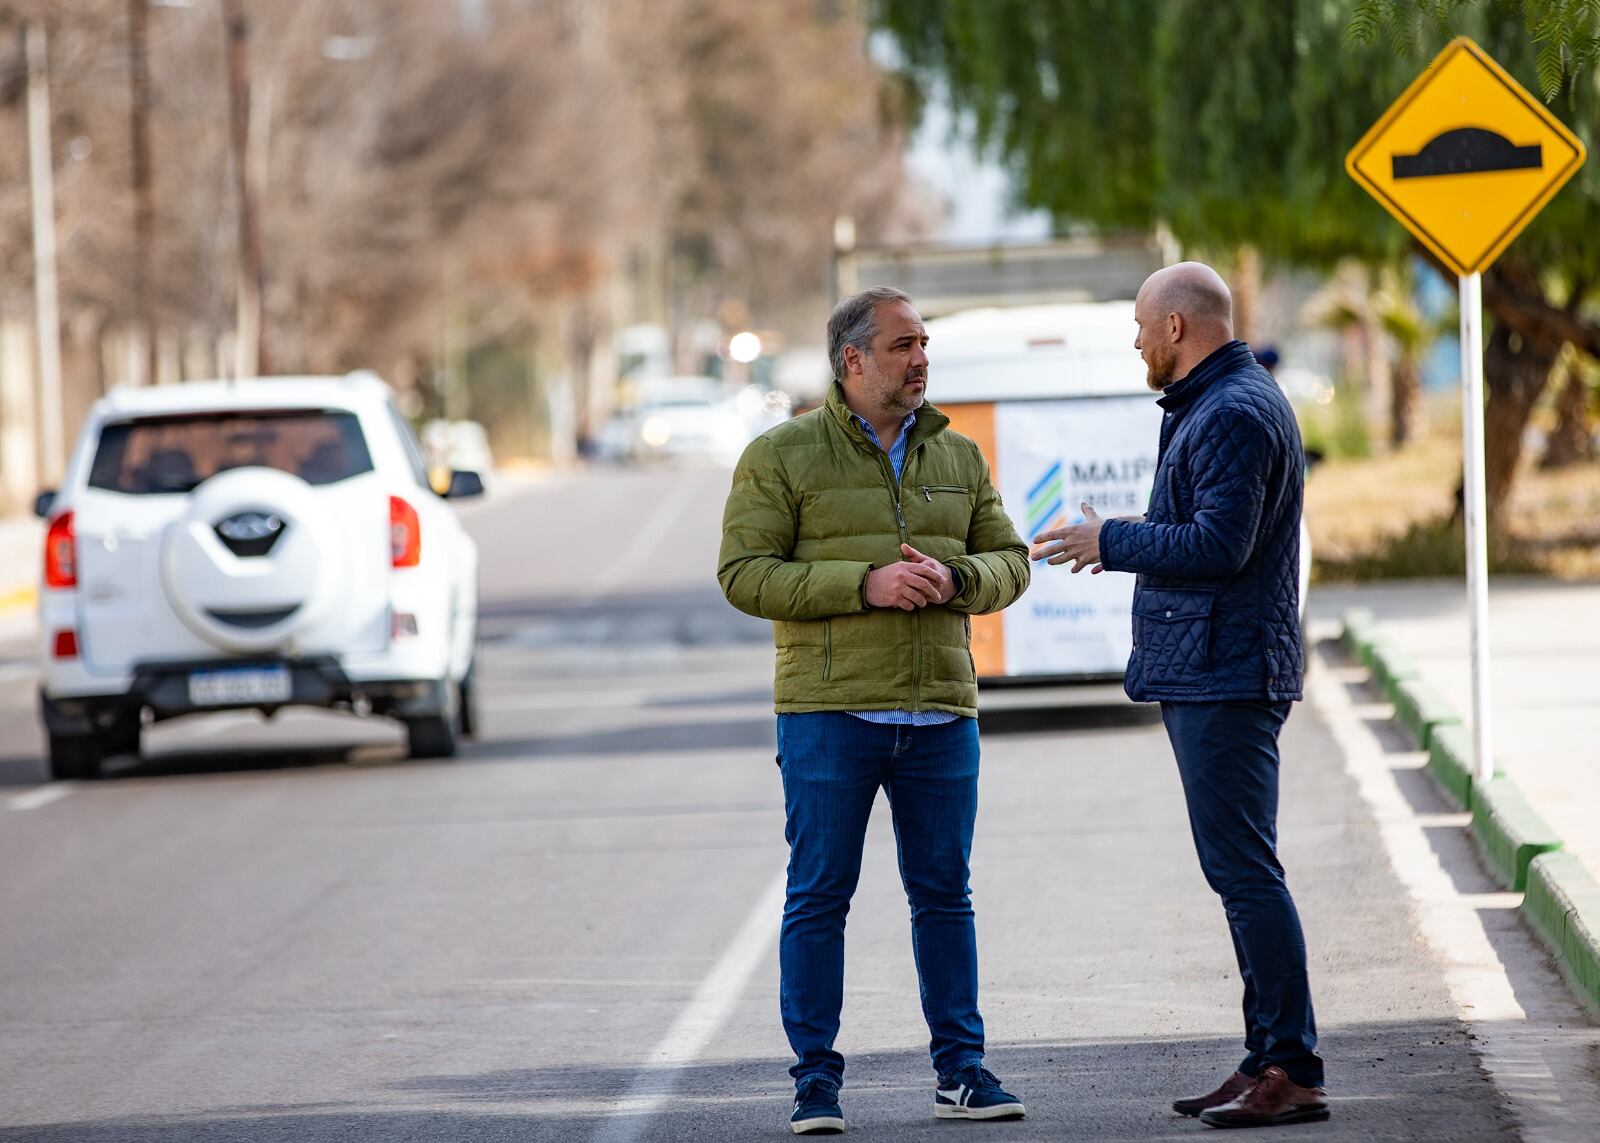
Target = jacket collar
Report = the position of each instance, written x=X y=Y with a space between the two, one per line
x=1227 y=359
x=930 y=421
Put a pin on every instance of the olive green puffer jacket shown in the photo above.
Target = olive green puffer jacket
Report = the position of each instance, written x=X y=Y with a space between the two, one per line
x=815 y=507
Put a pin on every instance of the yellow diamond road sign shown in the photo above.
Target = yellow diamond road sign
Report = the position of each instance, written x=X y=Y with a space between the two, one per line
x=1465 y=158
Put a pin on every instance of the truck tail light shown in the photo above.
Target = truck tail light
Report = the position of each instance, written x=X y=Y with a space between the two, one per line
x=65 y=644
x=405 y=534
x=61 y=553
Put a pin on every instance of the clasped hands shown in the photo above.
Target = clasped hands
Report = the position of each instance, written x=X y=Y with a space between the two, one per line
x=915 y=582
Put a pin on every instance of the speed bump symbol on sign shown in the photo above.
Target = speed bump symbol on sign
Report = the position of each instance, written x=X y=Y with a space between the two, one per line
x=1465 y=158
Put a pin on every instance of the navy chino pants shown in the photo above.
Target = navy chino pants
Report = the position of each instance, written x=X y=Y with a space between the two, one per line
x=1227 y=756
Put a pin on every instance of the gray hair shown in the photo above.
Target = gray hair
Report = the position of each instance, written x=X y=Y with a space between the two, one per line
x=854 y=321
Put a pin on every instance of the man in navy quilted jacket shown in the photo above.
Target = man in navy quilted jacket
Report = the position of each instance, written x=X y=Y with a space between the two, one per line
x=1216 y=641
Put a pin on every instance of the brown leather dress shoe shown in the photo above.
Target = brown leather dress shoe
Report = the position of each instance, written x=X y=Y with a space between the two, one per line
x=1273 y=1099
x=1232 y=1088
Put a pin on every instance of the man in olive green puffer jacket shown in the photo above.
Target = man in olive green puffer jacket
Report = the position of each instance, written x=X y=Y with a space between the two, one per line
x=869 y=533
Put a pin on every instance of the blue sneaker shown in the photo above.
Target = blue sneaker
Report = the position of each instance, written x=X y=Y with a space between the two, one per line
x=973 y=1092
x=816 y=1108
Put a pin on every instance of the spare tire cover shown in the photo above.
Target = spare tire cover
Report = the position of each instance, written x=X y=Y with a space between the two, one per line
x=246 y=603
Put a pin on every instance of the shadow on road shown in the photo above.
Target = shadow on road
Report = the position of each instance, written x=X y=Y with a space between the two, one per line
x=1415 y=1081
x=632 y=741
x=1056 y=719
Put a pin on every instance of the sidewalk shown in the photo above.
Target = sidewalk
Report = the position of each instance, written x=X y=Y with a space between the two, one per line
x=1544 y=677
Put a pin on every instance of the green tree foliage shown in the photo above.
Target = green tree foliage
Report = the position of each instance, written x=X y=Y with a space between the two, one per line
x=1566 y=32
x=1230 y=123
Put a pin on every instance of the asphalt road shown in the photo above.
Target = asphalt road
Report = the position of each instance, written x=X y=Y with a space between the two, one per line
x=286 y=932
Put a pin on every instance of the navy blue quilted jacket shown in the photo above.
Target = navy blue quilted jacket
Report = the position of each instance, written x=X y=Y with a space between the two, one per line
x=1216 y=610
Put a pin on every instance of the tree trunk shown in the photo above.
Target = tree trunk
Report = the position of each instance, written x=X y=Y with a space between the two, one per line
x=251 y=355
x=1572 y=442
x=1246 y=294
x=1405 y=403
x=1516 y=370
x=144 y=206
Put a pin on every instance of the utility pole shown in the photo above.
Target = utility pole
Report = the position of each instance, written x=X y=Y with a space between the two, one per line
x=144 y=206
x=250 y=355
x=46 y=306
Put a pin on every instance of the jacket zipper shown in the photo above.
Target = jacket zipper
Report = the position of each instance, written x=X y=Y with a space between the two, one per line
x=827 y=649
x=896 y=489
x=929 y=489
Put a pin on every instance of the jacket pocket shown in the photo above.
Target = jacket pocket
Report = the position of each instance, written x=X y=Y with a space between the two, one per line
x=1172 y=635
x=1284 y=655
x=928 y=490
x=827 y=649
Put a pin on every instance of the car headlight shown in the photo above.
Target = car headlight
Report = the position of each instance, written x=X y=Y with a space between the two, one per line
x=656 y=432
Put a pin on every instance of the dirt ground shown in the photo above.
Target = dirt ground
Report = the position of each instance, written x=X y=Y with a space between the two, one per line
x=1381 y=516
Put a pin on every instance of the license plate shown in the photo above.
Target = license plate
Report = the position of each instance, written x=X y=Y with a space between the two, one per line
x=240 y=685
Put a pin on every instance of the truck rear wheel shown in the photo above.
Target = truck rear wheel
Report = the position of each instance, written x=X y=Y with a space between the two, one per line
x=122 y=737
x=433 y=737
x=76 y=757
x=467 y=700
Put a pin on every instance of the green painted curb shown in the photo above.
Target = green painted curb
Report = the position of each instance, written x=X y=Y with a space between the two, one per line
x=1369 y=645
x=1562 y=906
x=1420 y=709
x=1509 y=831
x=1356 y=621
x=1392 y=666
x=1450 y=762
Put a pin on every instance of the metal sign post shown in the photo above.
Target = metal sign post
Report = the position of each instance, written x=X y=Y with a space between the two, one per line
x=1474 y=501
x=1464 y=159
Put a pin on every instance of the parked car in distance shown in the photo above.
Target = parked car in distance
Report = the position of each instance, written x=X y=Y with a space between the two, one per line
x=456 y=446
x=253 y=545
x=686 y=418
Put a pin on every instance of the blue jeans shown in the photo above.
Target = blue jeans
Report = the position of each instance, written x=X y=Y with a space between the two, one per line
x=1228 y=758
x=832 y=767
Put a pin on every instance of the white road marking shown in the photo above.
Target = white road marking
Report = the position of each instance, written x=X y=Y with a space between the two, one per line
x=1510 y=1047
x=43 y=796
x=631 y=562
x=700 y=1020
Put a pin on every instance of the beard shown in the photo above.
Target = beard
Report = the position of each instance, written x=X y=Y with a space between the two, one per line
x=1159 y=372
x=891 y=394
x=905 y=399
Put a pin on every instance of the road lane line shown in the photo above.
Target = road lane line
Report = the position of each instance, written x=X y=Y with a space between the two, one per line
x=1509 y=1045
x=645 y=539
x=43 y=796
x=700 y=1020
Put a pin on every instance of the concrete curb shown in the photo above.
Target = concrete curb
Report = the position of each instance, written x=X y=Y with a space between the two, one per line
x=1392 y=666
x=1562 y=905
x=1561 y=899
x=1358 y=625
x=1450 y=762
x=1420 y=708
x=1509 y=831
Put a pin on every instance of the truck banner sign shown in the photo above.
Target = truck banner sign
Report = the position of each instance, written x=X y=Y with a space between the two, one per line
x=1051 y=456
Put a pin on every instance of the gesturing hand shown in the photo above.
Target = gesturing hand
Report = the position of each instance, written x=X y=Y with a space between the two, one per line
x=907 y=586
x=946 y=579
x=1078 y=544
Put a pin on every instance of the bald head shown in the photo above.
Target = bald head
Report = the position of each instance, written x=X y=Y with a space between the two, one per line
x=1195 y=291
x=1185 y=313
